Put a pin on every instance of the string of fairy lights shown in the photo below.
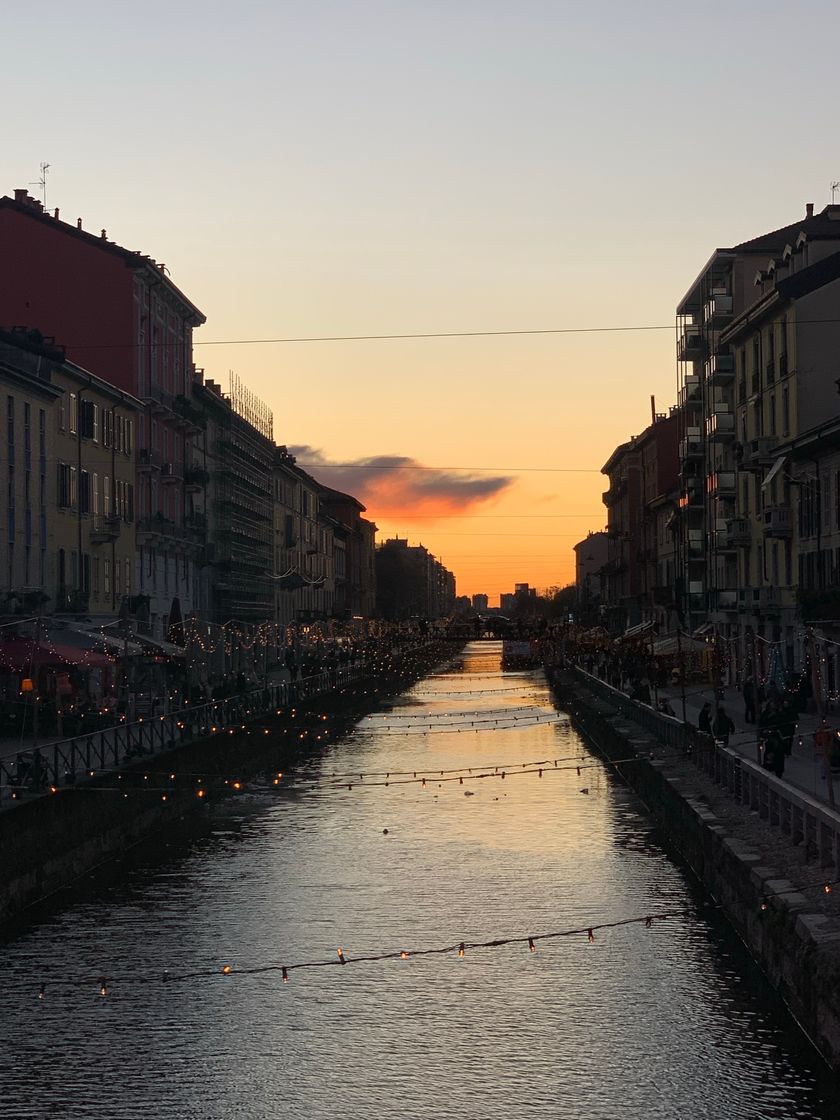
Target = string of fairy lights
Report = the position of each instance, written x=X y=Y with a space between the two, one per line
x=106 y=985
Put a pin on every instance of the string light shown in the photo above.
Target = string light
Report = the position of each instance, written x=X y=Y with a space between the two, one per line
x=459 y=948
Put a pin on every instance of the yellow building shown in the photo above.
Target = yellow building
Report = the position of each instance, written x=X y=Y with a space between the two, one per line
x=67 y=535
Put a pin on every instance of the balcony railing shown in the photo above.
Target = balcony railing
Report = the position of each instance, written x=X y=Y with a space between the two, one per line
x=759 y=452
x=717 y=308
x=721 y=484
x=778 y=522
x=690 y=343
x=720 y=369
x=104 y=529
x=720 y=426
x=739 y=532
x=148 y=459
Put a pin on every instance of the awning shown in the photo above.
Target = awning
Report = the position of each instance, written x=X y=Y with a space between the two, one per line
x=19 y=655
x=774 y=471
x=108 y=643
x=163 y=649
x=637 y=631
x=666 y=647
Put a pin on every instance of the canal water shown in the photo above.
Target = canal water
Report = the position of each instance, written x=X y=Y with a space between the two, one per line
x=669 y=1021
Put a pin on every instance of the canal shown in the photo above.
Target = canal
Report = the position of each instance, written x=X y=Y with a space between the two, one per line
x=669 y=1021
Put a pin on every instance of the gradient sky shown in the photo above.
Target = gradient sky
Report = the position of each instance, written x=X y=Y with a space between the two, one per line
x=313 y=168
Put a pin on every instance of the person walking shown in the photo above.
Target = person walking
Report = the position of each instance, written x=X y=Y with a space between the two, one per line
x=704 y=721
x=723 y=726
x=748 y=692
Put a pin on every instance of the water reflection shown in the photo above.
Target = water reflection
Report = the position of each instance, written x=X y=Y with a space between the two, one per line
x=641 y=1023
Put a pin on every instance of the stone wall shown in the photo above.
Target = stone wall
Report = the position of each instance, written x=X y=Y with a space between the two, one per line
x=770 y=897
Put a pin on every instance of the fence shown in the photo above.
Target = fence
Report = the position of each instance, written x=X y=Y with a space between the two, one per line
x=44 y=769
x=798 y=815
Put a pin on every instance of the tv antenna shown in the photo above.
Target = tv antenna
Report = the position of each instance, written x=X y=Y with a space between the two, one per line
x=42 y=182
x=835 y=186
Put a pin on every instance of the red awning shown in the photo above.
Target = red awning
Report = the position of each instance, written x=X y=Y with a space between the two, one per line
x=18 y=655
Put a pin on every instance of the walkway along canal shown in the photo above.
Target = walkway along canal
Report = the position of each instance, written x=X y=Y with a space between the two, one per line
x=467 y=842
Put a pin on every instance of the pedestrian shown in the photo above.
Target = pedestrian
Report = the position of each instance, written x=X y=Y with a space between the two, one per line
x=749 y=701
x=774 y=754
x=704 y=721
x=723 y=726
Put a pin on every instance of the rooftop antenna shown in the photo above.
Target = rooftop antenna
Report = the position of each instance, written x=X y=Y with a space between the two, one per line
x=42 y=182
x=834 y=188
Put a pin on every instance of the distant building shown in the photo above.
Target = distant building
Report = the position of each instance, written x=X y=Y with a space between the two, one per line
x=590 y=557
x=480 y=603
x=411 y=583
x=507 y=602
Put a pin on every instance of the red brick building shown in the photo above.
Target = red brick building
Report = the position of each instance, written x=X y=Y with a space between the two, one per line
x=117 y=314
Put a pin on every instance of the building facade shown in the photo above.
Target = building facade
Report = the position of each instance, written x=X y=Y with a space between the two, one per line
x=118 y=315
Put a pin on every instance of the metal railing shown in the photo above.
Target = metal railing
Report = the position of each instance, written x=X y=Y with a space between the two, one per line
x=798 y=815
x=36 y=771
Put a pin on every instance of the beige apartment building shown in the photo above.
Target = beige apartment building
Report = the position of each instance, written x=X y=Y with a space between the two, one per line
x=785 y=348
x=68 y=523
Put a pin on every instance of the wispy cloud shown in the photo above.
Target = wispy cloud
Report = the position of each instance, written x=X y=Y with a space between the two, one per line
x=398 y=486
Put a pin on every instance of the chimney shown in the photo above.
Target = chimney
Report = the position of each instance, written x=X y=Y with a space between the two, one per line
x=55 y=215
x=21 y=194
x=104 y=235
x=809 y=210
x=78 y=223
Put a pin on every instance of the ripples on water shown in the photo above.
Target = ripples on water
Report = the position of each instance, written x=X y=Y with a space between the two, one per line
x=644 y=1023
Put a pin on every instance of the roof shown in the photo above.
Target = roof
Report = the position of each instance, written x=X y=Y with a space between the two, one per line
x=784 y=290
x=133 y=258
x=818 y=226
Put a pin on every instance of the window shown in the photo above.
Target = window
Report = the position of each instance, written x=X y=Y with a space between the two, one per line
x=107 y=427
x=64 y=485
x=106 y=496
x=129 y=436
x=95 y=503
x=73 y=414
x=106 y=576
x=127 y=577
x=96 y=565
x=785 y=411
x=84 y=492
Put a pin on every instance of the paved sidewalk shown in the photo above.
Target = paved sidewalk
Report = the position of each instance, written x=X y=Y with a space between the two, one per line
x=804 y=767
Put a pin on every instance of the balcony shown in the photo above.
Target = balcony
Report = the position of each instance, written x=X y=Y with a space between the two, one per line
x=149 y=529
x=611 y=496
x=769 y=600
x=720 y=536
x=717 y=309
x=104 y=529
x=170 y=473
x=759 y=452
x=725 y=600
x=148 y=459
x=695 y=543
x=720 y=369
x=739 y=532
x=195 y=479
x=690 y=391
x=778 y=522
x=720 y=426
x=691 y=445
x=721 y=484
x=690 y=343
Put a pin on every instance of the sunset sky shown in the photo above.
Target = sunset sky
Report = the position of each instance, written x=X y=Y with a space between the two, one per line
x=310 y=170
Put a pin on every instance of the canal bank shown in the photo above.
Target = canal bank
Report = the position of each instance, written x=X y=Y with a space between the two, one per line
x=777 y=890
x=52 y=840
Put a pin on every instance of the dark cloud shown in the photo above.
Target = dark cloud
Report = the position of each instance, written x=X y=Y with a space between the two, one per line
x=396 y=485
